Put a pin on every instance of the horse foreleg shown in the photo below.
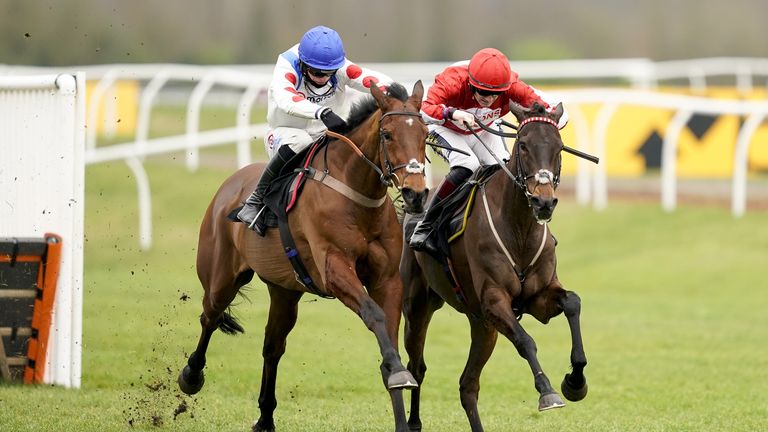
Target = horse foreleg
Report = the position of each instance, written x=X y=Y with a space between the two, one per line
x=283 y=311
x=481 y=347
x=418 y=307
x=574 y=385
x=500 y=314
x=344 y=284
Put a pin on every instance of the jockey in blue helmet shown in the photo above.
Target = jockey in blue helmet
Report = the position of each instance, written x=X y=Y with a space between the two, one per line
x=308 y=88
x=320 y=49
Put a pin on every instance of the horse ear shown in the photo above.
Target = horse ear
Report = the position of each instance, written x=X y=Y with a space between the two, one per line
x=417 y=94
x=518 y=110
x=557 y=112
x=381 y=98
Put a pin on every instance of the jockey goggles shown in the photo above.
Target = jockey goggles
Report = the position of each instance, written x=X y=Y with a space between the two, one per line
x=485 y=93
x=320 y=73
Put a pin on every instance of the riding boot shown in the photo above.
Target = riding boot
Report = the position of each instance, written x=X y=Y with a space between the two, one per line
x=422 y=238
x=252 y=212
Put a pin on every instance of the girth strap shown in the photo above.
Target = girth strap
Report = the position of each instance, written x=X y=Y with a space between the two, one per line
x=289 y=245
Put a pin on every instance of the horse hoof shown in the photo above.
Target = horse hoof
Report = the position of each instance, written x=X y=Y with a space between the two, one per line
x=549 y=401
x=401 y=380
x=259 y=427
x=573 y=391
x=190 y=382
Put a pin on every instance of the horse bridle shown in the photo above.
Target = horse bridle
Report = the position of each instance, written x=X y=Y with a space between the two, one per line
x=413 y=166
x=541 y=176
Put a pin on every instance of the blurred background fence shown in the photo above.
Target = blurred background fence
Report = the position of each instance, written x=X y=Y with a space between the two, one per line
x=699 y=118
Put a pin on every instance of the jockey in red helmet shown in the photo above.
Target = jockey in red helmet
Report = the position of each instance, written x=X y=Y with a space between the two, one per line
x=478 y=90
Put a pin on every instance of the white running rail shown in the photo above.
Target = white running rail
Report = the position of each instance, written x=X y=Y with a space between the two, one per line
x=251 y=82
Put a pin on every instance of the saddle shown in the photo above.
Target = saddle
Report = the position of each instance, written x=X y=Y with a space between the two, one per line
x=283 y=192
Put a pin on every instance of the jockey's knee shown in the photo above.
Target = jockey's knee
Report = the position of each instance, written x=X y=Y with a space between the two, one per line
x=296 y=139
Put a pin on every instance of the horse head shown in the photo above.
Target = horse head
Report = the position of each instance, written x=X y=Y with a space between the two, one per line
x=536 y=157
x=402 y=144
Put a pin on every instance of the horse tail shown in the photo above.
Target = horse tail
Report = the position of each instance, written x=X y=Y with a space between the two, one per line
x=228 y=324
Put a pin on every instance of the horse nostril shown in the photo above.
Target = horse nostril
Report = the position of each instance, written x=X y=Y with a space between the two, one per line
x=536 y=201
x=554 y=202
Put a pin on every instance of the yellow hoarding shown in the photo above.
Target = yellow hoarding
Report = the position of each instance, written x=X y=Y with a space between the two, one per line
x=705 y=148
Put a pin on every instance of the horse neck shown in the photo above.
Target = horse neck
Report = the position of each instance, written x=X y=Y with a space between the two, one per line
x=353 y=170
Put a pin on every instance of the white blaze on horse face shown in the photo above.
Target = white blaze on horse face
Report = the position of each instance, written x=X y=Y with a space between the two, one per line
x=544 y=176
x=409 y=122
x=414 y=167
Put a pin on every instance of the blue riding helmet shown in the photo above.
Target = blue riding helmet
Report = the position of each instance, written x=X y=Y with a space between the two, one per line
x=321 y=48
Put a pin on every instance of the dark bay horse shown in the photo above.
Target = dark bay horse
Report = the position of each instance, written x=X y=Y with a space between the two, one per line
x=505 y=266
x=350 y=243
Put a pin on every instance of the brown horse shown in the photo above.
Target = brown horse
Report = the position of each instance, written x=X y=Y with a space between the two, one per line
x=504 y=265
x=350 y=243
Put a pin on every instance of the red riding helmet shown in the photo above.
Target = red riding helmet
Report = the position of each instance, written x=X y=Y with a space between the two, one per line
x=489 y=70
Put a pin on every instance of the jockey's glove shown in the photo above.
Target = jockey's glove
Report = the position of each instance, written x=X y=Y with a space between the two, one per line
x=333 y=122
x=463 y=116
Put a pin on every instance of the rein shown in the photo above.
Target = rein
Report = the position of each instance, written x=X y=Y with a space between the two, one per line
x=571 y=150
x=520 y=273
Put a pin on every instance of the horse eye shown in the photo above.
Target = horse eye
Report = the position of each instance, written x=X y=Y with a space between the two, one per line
x=386 y=135
x=523 y=146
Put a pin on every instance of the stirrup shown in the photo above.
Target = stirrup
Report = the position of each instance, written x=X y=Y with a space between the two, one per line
x=255 y=225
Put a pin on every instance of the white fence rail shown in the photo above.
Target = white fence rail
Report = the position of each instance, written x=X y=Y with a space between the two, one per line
x=251 y=81
x=684 y=107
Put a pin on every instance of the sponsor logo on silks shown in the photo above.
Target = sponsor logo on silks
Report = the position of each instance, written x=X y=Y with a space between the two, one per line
x=272 y=141
x=320 y=98
x=484 y=114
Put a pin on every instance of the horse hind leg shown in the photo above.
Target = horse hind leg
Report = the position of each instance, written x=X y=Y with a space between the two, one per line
x=283 y=312
x=574 y=385
x=192 y=378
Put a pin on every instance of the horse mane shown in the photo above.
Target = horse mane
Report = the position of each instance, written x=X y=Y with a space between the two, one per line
x=366 y=106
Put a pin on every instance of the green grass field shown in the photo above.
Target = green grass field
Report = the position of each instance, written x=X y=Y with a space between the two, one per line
x=674 y=321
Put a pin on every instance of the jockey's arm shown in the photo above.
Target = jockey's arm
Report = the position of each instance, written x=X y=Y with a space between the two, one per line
x=360 y=78
x=285 y=95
